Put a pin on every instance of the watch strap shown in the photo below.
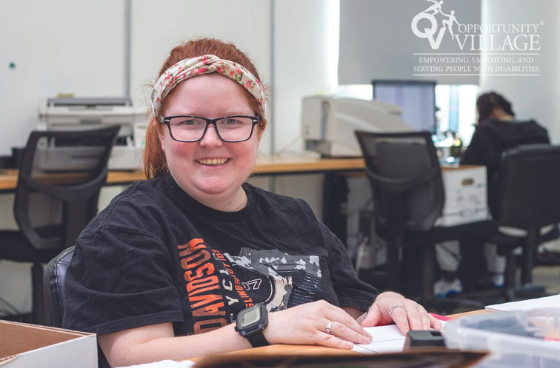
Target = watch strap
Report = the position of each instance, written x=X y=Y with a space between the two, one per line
x=257 y=339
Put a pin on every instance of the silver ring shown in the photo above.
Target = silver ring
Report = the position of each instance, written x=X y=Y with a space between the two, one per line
x=329 y=328
x=394 y=307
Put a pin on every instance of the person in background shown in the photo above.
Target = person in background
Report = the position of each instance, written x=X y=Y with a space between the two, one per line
x=496 y=132
x=165 y=270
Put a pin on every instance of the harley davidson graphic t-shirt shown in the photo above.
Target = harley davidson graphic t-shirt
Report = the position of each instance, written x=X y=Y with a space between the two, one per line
x=156 y=255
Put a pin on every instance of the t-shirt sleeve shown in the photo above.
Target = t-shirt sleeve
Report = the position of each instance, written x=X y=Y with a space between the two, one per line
x=350 y=291
x=119 y=279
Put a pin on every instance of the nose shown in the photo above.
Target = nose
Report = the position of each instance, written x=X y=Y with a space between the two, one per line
x=211 y=138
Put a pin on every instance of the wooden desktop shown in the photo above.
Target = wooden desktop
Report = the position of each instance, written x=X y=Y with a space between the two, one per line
x=266 y=165
x=309 y=350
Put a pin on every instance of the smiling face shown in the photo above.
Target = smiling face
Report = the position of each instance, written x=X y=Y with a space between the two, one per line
x=211 y=170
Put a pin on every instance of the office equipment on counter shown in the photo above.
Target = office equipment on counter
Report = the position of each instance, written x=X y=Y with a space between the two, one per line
x=328 y=123
x=416 y=98
x=91 y=112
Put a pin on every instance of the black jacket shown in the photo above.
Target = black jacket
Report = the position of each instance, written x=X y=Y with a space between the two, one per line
x=492 y=137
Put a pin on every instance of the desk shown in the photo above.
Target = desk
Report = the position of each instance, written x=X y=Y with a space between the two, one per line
x=265 y=166
x=311 y=350
x=335 y=188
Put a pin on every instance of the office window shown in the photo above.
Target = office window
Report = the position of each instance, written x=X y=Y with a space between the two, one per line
x=456 y=106
x=457 y=109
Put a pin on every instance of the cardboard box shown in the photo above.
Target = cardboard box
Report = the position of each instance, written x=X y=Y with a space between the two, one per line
x=465 y=195
x=23 y=345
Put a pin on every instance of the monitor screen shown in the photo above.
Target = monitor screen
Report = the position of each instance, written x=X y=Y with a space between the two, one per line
x=417 y=100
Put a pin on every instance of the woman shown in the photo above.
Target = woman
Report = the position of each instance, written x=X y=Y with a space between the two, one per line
x=167 y=267
x=497 y=131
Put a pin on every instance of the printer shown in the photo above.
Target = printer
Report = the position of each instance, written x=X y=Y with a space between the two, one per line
x=328 y=123
x=88 y=113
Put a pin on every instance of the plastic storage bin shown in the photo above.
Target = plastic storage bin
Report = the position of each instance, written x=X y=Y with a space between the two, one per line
x=514 y=339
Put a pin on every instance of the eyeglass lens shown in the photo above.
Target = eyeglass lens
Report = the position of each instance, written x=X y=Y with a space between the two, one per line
x=233 y=128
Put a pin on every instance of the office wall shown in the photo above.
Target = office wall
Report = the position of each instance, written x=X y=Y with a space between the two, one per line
x=532 y=97
x=51 y=47
x=64 y=46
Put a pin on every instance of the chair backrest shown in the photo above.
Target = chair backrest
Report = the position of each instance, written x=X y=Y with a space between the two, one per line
x=528 y=189
x=60 y=177
x=53 y=286
x=405 y=176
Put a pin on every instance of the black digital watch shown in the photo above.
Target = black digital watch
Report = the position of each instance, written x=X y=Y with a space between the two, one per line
x=251 y=322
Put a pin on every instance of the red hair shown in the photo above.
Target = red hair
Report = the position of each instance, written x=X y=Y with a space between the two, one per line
x=155 y=163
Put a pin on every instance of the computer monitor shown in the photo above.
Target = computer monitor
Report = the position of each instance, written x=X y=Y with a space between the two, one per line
x=417 y=99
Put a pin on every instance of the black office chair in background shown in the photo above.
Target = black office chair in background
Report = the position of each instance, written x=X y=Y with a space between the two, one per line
x=53 y=286
x=60 y=178
x=527 y=198
x=405 y=177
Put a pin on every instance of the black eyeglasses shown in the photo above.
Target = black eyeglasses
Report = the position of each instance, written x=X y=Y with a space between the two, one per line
x=232 y=129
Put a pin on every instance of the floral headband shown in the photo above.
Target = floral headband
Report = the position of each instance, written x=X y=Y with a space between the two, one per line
x=200 y=65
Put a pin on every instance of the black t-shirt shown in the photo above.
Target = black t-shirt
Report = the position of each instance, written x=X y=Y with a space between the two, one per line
x=156 y=255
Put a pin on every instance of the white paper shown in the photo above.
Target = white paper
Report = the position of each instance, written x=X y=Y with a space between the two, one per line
x=538 y=303
x=385 y=339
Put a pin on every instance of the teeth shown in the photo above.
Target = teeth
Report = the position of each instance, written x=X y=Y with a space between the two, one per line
x=214 y=161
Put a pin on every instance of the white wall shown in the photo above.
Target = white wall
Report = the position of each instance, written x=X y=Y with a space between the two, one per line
x=57 y=46
x=64 y=46
x=532 y=97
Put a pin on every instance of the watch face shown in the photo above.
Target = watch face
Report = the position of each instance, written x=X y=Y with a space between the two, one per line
x=251 y=316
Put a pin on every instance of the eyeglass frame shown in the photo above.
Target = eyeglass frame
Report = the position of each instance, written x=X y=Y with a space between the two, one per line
x=167 y=121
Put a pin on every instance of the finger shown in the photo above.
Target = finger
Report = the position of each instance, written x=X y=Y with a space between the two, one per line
x=435 y=323
x=414 y=318
x=339 y=317
x=331 y=341
x=426 y=322
x=373 y=317
x=400 y=317
x=344 y=332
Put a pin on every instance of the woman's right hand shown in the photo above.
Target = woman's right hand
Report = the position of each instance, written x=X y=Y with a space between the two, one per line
x=316 y=323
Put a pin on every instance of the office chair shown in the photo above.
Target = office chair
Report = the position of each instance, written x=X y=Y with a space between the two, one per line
x=53 y=286
x=60 y=177
x=527 y=198
x=407 y=185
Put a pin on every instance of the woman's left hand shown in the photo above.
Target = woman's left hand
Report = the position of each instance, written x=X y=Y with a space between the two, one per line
x=406 y=313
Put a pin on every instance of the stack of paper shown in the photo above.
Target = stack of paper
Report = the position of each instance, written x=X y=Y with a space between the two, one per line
x=539 y=303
